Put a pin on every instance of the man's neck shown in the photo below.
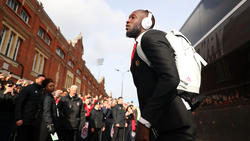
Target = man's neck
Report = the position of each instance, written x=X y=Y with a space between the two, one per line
x=142 y=31
x=72 y=94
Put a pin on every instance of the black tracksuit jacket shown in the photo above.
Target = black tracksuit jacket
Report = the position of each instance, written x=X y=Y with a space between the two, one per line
x=71 y=113
x=29 y=104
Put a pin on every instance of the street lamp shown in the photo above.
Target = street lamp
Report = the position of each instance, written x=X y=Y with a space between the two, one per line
x=122 y=75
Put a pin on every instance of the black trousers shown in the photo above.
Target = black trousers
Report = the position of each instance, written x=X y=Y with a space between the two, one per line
x=118 y=134
x=27 y=133
x=97 y=135
x=106 y=134
x=69 y=135
x=44 y=135
x=5 y=132
x=181 y=125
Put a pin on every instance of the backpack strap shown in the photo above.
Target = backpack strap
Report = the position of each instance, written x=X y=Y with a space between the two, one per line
x=199 y=58
x=140 y=52
x=178 y=33
x=196 y=55
x=144 y=58
x=142 y=55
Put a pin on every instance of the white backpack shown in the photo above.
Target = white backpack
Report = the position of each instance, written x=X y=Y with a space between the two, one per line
x=187 y=60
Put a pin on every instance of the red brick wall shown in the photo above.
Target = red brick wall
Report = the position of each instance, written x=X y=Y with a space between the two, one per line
x=39 y=18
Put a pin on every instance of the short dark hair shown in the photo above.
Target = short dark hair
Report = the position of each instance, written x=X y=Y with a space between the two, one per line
x=64 y=90
x=8 y=82
x=40 y=75
x=119 y=97
x=46 y=82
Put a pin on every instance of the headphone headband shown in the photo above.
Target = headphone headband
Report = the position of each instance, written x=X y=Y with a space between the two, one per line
x=150 y=15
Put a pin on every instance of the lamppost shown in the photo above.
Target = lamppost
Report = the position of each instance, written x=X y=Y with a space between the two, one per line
x=122 y=75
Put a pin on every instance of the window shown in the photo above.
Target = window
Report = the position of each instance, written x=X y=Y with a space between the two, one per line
x=10 y=42
x=78 y=84
x=84 y=77
x=69 y=79
x=40 y=32
x=89 y=82
x=16 y=48
x=24 y=16
x=13 y=4
x=59 y=52
x=39 y=62
x=2 y=35
x=70 y=63
x=47 y=39
x=78 y=71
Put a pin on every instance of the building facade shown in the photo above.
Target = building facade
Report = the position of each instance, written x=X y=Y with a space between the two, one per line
x=31 y=44
x=220 y=32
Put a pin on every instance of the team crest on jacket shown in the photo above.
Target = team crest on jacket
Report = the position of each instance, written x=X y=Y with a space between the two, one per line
x=137 y=63
x=78 y=103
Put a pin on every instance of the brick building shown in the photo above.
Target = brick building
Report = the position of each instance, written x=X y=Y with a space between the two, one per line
x=31 y=44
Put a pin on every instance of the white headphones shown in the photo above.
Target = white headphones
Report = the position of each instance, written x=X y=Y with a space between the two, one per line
x=147 y=22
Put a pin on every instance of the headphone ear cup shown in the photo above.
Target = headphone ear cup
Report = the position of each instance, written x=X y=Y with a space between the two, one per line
x=146 y=23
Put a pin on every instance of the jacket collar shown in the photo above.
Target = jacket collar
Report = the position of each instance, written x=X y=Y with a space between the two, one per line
x=138 y=39
x=72 y=97
x=37 y=85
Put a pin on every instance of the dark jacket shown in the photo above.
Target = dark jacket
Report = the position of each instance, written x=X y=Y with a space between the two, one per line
x=71 y=113
x=49 y=117
x=7 y=107
x=156 y=85
x=96 y=118
x=29 y=104
x=7 y=122
x=107 y=115
x=118 y=114
x=49 y=109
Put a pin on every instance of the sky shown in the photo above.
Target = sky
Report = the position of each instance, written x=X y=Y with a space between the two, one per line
x=102 y=24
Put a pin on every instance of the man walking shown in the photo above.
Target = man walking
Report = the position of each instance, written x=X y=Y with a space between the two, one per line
x=163 y=114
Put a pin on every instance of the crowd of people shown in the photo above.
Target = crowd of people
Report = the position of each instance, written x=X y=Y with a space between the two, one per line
x=36 y=111
x=224 y=99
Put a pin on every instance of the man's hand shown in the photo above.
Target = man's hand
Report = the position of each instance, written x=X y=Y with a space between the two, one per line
x=142 y=133
x=9 y=89
x=19 y=122
x=103 y=129
x=92 y=130
x=117 y=125
x=126 y=125
x=51 y=128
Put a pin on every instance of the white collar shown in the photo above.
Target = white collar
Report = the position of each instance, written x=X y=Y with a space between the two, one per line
x=138 y=40
x=70 y=96
x=96 y=108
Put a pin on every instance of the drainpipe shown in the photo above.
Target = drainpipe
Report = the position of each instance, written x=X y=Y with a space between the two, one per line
x=21 y=76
